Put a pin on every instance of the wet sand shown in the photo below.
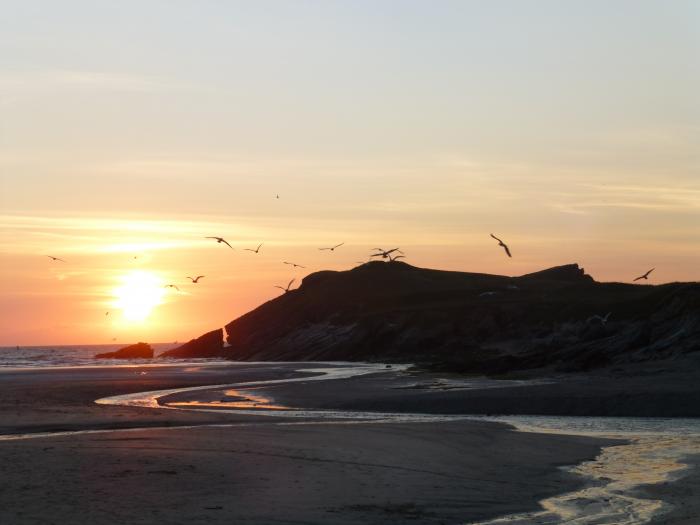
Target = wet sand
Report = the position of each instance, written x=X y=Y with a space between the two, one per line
x=683 y=495
x=627 y=484
x=263 y=469
x=317 y=473
x=64 y=399
x=645 y=390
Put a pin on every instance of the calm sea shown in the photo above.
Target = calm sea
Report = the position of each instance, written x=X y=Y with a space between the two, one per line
x=77 y=355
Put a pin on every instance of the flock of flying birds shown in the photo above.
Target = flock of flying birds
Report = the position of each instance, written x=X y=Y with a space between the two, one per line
x=379 y=252
x=392 y=255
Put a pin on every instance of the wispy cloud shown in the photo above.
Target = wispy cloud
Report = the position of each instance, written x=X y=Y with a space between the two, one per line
x=100 y=235
x=669 y=199
x=88 y=234
x=44 y=80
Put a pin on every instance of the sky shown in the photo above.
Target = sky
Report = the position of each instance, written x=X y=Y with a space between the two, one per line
x=131 y=130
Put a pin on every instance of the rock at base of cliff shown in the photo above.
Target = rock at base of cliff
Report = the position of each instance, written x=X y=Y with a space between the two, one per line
x=210 y=344
x=137 y=351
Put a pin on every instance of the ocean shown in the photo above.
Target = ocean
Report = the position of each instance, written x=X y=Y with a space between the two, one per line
x=55 y=356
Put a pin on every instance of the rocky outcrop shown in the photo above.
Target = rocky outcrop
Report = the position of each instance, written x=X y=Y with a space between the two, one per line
x=568 y=273
x=210 y=344
x=481 y=323
x=137 y=351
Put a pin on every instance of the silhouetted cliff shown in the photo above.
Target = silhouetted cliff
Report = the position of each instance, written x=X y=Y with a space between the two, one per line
x=210 y=344
x=470 y=322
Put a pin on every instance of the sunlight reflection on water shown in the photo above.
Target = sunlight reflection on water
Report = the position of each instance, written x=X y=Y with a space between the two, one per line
x=654 y=454
x=237 y=399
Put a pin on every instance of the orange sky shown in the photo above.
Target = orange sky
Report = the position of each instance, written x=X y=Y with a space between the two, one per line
x=572 y=130
x=52 y=302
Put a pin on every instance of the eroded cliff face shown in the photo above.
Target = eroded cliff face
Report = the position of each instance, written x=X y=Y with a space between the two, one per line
x=482 y=323
x=210 y=344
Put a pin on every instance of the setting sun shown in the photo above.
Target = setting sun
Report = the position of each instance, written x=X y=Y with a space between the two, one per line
x=139 y=293
x=331 y=262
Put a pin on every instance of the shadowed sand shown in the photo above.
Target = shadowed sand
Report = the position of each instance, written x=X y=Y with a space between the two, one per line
x=285 y=474
x=263 y=469
x=683 y=495
x=318 y=473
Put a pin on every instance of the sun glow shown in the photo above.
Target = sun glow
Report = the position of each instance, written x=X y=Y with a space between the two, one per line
x=139 y=293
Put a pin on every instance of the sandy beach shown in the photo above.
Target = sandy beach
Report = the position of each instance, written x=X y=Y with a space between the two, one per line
x=350 y=262
x=258 y=469
x=682 y=496
x=285 y=474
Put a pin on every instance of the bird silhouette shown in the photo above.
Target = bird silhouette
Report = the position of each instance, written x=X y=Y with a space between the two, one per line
x=600 y=319
x=256 y=250
x=332 y=248
x=645 y=276
x=220 y=239
x=286 y=290
x=294 y=264
x=385 y=254
x=195 y=279
x=55 y=258
x=172 y=286
x=392 y=259
x=501 y=243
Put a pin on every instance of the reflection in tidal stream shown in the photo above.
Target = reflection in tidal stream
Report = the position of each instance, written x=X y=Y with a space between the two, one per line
x=237 y=399
x=654 y=454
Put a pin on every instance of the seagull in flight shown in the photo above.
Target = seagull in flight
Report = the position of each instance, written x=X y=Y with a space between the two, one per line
x=171 y=286
x=504 y=245
x=385 y=254
x=645 y=276
x=55 y=258
x=220 y=239
x=294 y=264
x=256 y=250
x=332 y=248
x=601 y=320
x=195 y=280
x=286 y=290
